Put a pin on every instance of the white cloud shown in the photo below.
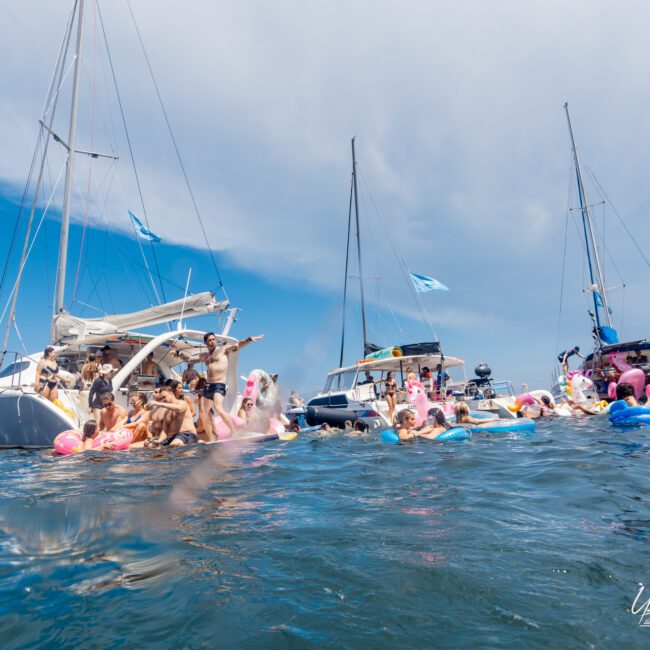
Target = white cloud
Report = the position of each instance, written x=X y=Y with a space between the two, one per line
x=457 y=109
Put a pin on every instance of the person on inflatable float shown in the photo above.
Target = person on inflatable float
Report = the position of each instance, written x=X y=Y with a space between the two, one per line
x=406 y=429
x=625 y=392
x=461 y=411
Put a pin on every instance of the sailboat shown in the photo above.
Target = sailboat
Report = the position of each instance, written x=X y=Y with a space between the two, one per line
x=27 y=419
x=610 y=358
x=351 y=391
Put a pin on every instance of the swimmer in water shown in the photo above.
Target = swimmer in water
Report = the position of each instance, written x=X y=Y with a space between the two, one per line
x=461 y=411
x=406 y=429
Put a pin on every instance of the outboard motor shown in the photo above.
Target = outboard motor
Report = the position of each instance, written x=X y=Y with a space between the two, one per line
x=483 y=371
x=482 y=379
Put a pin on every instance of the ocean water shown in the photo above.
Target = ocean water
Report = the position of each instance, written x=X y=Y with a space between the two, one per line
x=512 y=541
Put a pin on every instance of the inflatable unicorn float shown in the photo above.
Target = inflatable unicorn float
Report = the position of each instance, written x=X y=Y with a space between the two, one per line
x=263 y=392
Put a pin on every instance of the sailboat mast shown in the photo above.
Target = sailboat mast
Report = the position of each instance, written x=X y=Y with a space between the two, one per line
x=589 y=235
x=67 y=195
x=356 y=214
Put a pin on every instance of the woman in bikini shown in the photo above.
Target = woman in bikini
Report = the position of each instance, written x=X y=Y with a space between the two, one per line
x=138 y=418
x=406 y=429
x=47 y=375
x=391 y=393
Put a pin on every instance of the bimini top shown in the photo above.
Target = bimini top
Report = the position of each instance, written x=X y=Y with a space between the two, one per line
x=68 y=328
x=397 y=364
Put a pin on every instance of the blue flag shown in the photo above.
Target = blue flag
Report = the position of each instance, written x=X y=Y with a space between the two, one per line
x=423 y=284
x=141 y=231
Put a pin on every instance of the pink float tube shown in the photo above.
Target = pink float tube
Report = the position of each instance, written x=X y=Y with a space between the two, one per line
x=119 y=440
x=69 y=442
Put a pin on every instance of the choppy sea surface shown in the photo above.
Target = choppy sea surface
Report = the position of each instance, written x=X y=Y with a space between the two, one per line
x=507 y=541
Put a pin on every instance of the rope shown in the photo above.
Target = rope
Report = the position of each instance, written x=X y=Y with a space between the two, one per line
x=627 y=230
x=135 y=171
x=345 y=279
x=20 y=270
x=178 y=153
x=402 y=262
x=566 y=234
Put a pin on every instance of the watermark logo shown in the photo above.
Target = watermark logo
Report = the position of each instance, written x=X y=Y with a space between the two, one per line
x=641 y=608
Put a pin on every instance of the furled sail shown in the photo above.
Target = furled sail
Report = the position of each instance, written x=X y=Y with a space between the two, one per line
x=68 y=327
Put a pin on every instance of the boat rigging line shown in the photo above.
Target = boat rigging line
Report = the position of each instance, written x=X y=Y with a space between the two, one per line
x=135 y=170
x=178 y=153
x=345 y=279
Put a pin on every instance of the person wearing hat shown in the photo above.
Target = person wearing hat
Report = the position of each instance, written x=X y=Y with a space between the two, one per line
x=103 y=384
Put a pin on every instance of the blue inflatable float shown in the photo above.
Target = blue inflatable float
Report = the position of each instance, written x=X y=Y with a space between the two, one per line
x=503 y=426
x=622 y=415
x=390 y=436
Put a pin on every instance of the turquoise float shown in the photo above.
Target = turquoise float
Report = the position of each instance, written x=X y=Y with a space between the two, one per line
x=622 y=415
x=390 y=436
x=503 y=426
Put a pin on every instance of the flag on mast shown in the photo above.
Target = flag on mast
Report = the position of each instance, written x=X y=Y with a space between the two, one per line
x=141 y=231
x=422 y=283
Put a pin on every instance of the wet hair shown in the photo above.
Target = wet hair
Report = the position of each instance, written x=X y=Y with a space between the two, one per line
x=461 y=410
x=207 y=335
x=360 y=425
x=140 y=397
x=168 y=383
x=624 y=390
x=439 y=418
x=89 y=428
x=107 y=395
x=545 y=400
x=348 y=424
x=167 y=389
x=402 y=415
x=91 y=357
x=47 y=351
x=324 y=427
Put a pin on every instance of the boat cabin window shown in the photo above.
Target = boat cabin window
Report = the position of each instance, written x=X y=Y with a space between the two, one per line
x=340 y=381
x=14 y=368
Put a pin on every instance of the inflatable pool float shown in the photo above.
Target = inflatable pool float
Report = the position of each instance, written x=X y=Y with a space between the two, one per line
x=455 y=433
x=622 y=415
x=391 y=437
x=502 y=426
x=119 y=440
x=68 y=442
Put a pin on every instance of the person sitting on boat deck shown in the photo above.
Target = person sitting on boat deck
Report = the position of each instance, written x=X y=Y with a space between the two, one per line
x=190 y=373
x=178 y=425
x=109 y=357
x=367 y=380
x=426 y=378
x=390 y=390
x=138 y=418
x=103 y=384
x=47 y=378
x=461 y=411
x=637 y=359
x=90 y=370
x=246 y=411
x=149 y=366
x=295 y=400
x=406 y=429
x=625 y=392
x=564 y=356
x=177 y=387
x=216 y=360
x=112 y=416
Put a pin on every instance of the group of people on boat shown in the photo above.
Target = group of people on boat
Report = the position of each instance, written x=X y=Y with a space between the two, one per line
x=170 y=416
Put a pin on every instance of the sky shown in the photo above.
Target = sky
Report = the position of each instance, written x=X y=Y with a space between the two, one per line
x=465 y=168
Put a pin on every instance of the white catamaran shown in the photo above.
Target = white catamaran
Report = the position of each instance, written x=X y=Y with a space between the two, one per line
x=31 y=421
x=354 y=391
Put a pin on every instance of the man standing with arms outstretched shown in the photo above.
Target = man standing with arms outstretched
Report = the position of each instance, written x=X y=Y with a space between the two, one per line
x=216 y=360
